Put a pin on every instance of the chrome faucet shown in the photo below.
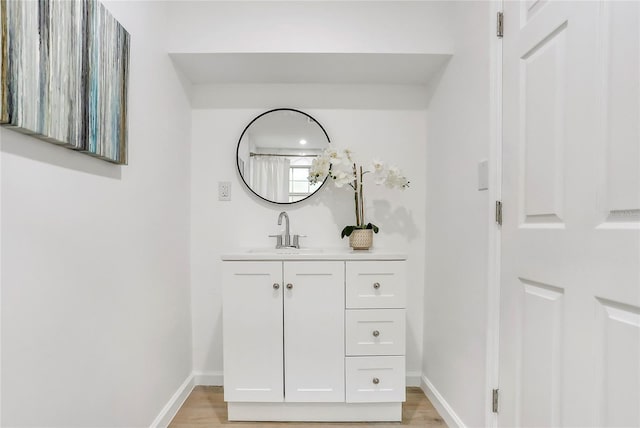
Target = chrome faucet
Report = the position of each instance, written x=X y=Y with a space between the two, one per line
x=287 y=235
x=284 y=241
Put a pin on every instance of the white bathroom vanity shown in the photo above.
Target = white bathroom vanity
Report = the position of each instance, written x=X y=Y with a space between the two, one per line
x=314 y=335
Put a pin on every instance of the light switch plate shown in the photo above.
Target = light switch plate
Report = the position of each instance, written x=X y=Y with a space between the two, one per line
x=483 y=175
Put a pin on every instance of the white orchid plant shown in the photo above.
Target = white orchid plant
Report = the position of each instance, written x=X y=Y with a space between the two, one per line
x=341 y=168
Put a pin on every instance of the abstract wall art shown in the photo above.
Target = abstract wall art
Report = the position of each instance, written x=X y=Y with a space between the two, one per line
x=64 y=75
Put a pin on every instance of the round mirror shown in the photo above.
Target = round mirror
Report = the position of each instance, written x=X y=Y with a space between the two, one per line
x=275 y=152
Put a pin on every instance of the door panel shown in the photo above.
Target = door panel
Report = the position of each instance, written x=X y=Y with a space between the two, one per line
x=252 y=331
x=314 y=331
x=570 y=291
x=529 y=8
x=617 y=369
x=541 y=354
x=542 y=98
x=620 y=53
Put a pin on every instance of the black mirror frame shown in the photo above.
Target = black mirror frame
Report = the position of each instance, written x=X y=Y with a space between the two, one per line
x=238 y=152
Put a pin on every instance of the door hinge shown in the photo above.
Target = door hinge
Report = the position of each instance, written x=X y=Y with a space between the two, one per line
x=494 y=401
x=500 y=25
x=499 y=212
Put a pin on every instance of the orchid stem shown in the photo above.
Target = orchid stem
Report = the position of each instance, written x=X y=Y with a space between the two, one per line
x=361 y=200
x=355 y=194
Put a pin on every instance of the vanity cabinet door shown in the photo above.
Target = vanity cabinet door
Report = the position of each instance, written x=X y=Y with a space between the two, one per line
x=314 y=331
x=252 y=331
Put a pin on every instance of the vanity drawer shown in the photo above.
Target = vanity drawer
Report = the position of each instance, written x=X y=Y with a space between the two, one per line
x=375 y=331
x=374 y=284
x=375 y=379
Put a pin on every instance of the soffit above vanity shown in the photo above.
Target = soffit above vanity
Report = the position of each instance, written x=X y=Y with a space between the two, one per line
x=310 y=68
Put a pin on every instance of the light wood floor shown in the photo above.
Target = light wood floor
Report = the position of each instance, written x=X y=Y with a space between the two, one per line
x=205 y=407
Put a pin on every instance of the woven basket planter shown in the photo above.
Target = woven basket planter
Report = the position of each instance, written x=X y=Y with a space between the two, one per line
x=361 y=239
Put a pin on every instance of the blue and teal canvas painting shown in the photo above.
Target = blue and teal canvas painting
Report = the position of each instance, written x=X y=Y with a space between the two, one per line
x=64 y=75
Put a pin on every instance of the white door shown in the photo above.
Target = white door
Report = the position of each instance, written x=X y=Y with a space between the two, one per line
x=252 y=331
x=570 y=292
x=314 y=331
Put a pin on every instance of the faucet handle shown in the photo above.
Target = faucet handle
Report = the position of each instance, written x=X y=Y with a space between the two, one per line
x=296 y=240
x=278 y=240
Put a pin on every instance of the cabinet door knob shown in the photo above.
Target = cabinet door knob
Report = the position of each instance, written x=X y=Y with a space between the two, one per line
x=376 y=381
x=289 y=286
x=376 y=285
x=376 y=333
x=276 y=286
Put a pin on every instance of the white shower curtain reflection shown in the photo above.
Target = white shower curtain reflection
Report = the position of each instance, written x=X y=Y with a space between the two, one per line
x=270 y=177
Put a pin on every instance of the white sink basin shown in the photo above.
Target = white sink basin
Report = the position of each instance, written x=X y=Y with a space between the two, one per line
x=285 y=250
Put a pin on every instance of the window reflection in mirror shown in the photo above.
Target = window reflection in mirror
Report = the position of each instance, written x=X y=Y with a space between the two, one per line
x=275 y=153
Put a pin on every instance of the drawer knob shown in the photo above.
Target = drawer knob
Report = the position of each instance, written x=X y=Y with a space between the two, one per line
x=376 y=285
x=276 y=286
x=376 y=381
x=289 y=286
x=376 y=333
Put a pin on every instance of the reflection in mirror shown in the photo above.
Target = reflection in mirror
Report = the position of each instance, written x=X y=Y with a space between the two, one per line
x=275 y=152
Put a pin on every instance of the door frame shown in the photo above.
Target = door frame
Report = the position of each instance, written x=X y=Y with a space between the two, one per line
x=494 y=238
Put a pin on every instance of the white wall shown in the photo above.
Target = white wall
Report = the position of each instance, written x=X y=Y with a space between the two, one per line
x=396 y=136
x=458 y=223
x=95 y=280
x=309 y=26
x=84 y=344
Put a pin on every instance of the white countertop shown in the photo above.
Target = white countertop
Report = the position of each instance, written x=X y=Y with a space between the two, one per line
x=266 y=254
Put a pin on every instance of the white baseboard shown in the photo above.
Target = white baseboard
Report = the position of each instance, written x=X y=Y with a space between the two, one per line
x=413 y=378
x=208 y=378
x=173 y=405
x=441 y=405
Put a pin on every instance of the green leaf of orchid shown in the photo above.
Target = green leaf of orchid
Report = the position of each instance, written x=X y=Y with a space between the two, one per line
x=347 y=231
x=372 y=226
